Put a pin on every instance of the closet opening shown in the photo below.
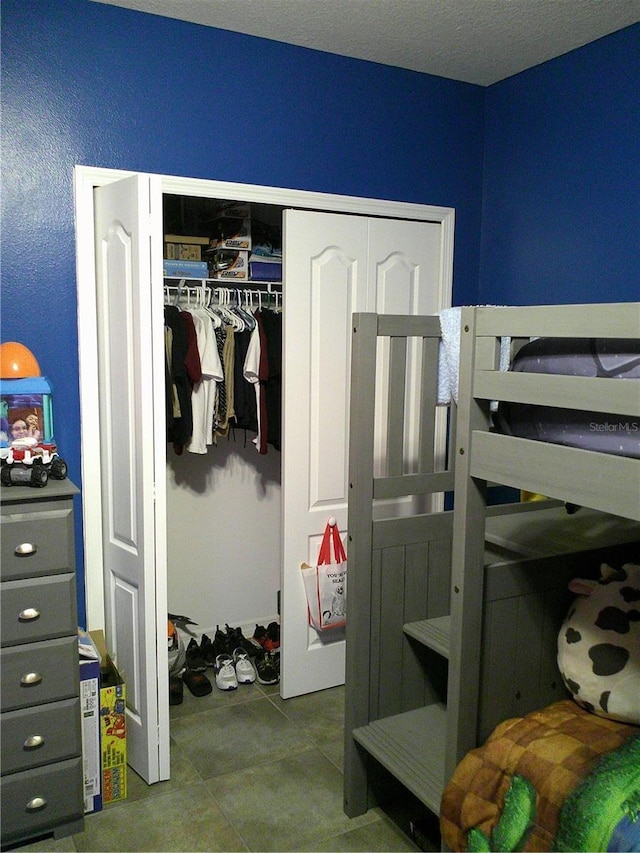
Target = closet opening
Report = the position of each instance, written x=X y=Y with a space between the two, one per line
x=342 y=255
x=223 y=269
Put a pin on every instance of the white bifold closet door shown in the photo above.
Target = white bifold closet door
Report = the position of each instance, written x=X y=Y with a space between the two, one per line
x=334 y=264
x=131 y=444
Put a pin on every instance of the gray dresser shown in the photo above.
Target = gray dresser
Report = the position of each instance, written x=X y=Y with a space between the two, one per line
x=42 y=776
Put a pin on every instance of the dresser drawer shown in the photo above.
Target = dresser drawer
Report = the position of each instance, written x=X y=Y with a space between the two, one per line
x=41 y=799
x=35 y=736
x=38 y=608
x=39 y=672
x=38 y=542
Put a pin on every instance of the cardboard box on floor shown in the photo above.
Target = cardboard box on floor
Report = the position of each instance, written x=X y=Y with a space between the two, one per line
x=113 y=725
x=90 y=716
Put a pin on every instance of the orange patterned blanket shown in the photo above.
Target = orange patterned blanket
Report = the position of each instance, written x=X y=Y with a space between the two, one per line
x=549 y=753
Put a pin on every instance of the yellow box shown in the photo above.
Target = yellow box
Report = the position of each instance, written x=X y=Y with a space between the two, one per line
x=113 y=726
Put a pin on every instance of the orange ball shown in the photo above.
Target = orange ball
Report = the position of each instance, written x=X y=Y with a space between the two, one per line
x=17 y=361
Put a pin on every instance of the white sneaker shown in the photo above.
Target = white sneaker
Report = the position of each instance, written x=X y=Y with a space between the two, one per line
x=225 y=673
x=245 y=672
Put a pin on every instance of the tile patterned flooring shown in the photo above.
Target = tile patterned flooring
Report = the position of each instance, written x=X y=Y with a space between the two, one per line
x=249 y=772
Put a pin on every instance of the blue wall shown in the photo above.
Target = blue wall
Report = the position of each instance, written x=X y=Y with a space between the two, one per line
x=561 y=197
x=98 y=85
x=102 y=86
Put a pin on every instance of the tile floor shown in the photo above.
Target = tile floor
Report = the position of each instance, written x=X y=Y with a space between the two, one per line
x=249 y=771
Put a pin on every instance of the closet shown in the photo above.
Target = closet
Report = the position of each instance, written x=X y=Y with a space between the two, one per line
x=224 y=548
x=163 y=521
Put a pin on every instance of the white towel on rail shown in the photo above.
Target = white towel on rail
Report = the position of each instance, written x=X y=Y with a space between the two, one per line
x=449 y=354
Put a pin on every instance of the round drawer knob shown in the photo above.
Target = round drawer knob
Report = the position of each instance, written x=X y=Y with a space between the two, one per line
x=36 y=803
x=34 y=742
x=29 y=679
x=26 y=549
x=29 y=614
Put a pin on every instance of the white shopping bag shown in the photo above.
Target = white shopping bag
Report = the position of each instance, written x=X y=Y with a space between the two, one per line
x=326 y=583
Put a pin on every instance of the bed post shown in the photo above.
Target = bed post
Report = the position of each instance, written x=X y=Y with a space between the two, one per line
x=467 y=575
x=358 y=631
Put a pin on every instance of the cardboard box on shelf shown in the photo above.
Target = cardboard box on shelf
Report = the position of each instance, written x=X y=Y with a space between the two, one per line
x=179 y=247
x=184 y=269
x=113 y=725
x=228 y=264
x=230 y=232
x=90 y=718
x=238 y=209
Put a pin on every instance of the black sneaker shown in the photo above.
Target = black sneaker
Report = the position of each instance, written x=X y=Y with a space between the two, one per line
x=208 y=650
x=221 y=643
x=273 y=635
x=195 y=658
x=266 y=670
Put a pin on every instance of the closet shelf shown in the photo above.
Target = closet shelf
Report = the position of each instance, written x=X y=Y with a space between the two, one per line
x=411 y=747
x=231 y=283
x=432 y=633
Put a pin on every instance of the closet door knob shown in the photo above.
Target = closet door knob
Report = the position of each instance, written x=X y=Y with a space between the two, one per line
x=34 y=742
x=30 y=679
x=36 y=803
x=29 y=614
x=26 y=549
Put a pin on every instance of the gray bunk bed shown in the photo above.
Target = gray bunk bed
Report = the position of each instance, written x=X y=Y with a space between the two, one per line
x=453 y=615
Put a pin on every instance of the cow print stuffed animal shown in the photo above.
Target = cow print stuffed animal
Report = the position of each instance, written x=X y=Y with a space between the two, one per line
x=599 y=644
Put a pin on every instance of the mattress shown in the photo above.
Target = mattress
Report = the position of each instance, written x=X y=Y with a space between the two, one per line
x=589 y=430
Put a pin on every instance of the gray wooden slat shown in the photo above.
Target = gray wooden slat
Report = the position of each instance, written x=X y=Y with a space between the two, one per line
x=583 y=393
x=429 y=401
x=498 y=670
x=396 y=397
x=390 y=650
x=439 y=578
x=561 y=472
x=412 y=484
x=528 y=646
x=407 y=325
x=611 y=320
x=412 y=529
x=416 y=687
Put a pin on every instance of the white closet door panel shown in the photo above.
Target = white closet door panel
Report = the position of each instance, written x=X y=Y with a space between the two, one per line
x=325 y=281
x=404 y=276
x=333 y=282
x=131 y=446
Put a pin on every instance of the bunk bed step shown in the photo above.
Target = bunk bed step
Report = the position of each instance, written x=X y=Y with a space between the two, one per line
x=573 y=475
x=411 y=747
x=432 y=633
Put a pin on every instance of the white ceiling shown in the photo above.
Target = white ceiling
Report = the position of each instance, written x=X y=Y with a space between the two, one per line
x=477 y=41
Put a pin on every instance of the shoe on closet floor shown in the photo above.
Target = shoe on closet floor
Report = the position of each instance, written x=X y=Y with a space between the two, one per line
x=197 y=682
x=269 y=637
x=245 y=673
x=195 y=658
x=207 y=647
x=266 y=670
x=273 y=636
x=226 y=678
x=222 y=643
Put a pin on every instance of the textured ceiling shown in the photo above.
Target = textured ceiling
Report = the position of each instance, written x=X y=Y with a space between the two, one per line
x=477 y=41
